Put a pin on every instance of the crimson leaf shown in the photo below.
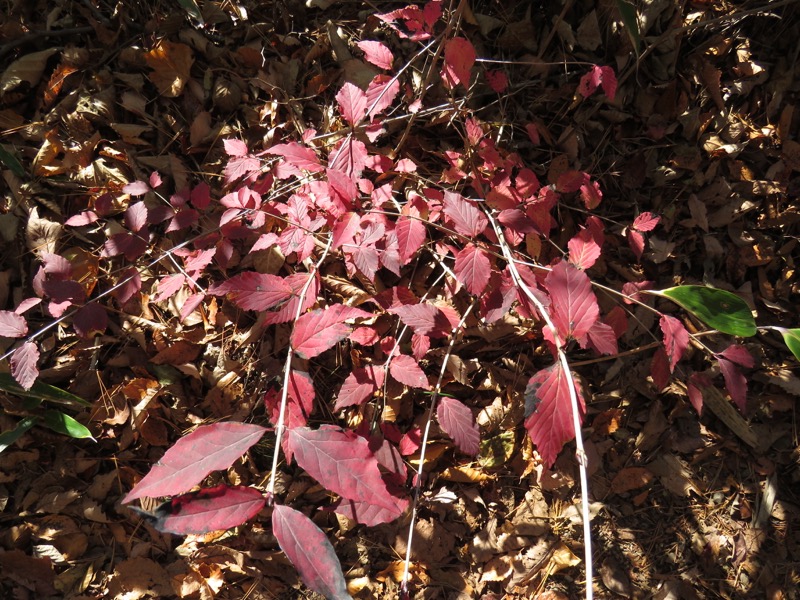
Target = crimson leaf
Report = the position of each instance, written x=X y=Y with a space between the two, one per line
x=352 y=103
x=359 y=386
x=676 y=339
x=467 y=218
x=211 y=509
x=208 y=448
x=574 y=306
x=457 y=421
x=310 y=552
x=254 y=291
x=407 y=371
x=321 y=329
x=472 y=268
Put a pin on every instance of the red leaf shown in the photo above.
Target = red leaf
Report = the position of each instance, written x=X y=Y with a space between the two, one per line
x=457 y=421
x=632 y=288
x=359 y=386
x=12 y=325
x=591 y=195
x=659 y=369
x=676 y=339
x=352 y=103
x=90 y=320
x=636 y=242
x=603 y=338
x=573 y=304
x=739 y=355
x=376 y=53
x=349 y=157
x=594 y=78
x=208 y=448
x=697 y=383
x=381 y=92
x=735 y=382
x=254 y=291
x=410 y=237
x=211 y=509
x=467 y=218
x=550 y=424
x=301 y=157
x=23 y=364
x=323 y=328
x=288 y=311
x=370 y=514
x=609 y=82
x=646 y=221
x=407 y=371
x=234 y=147
x=472 y=268
x=497 y=80
x=310 y=552
x=342 y=462
x=618 y=320
x=459 y=57
x=571 y=181
x=424 y=319
x=583 y=250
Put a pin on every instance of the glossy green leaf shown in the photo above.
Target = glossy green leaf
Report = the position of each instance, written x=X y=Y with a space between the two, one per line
x=628 y=13
x=65 y=425
x=791 y=337
x=724 y=311
x=10 y=161
x=9 y=437
x=40 y=391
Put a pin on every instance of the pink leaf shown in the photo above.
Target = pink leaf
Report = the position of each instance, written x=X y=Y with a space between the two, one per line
x=350 y=157
x=609 y=82
x=591 y=195
x=376 y=53
x=497 y=80
x=549 y=422
x=12 y=325
x=136 y=216
x=632 y=289
x=352 y=103
x=646 y=221
x=407 y=371
x=288 y=311
x=604 y=76
x=676 y=339
x=370 y=514
x=169 y=286
x=459 y=57
x=136 y=188
x=467 y=218
x=321 y=329
x=26 y=305
x=234 y=147
x=457 y=421
x=208 y=448
x=301 y=157
x=310 y=552
x=573 y=303
x=735 y=382
x=87 y=217
x=342 y=462
x=583 y=250
x=410 y=237
x=359 y=386
x=254 y=291
x=191 y=303
x=23 y=364
x=602 y=338
x=424 y=319
x=636 y=242
x=211 y=509
x=472 y=268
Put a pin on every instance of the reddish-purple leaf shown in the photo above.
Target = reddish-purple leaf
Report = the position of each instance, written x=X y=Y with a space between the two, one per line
x=735 y=382
x=407 y=371
x=376 y=53
x=573 y=303
x=136 y=188
x=208 y=448
x=254 y=291
x=467 y=218
x=697 y=383
x=136 y=216
x=381 y=92
x=632 y=288
x=659 y=369
x=323 y=328
x=550 y=422
x=23 y=364
x=301 y=157
x=457 y=421
x=211 y=509
x=459 y=57
x=90 y=320
x=169 y=286
x=636 y=242
x=352 y=103
x=342 y=462
x=739 y=355
x=310 y=552
x=646 y=221
x=410 y=237
x=359 y=386
x=424 y=319
x=583 y=250
x=472 y=268
x=591 y=195
x=676 y=339
x=497 y=80
x=604 y=76
x=26 y=305
x=288 y=311
x=349 y=157
x=370 y=514
x=602 y=338
x=12 y=325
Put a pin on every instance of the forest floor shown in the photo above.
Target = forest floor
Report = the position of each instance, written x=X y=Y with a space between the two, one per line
x=702 y=131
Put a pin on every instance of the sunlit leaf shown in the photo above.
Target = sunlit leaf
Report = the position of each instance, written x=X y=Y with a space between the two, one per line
x=791 y=337
x=724 y=311
x=40 y=391
x=65 y=425
x=9 y=437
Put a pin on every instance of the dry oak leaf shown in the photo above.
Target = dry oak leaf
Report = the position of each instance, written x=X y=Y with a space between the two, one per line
x=171 y=64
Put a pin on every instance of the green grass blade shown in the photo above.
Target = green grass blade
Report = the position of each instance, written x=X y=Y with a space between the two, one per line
x=9 y=160
x=721 y=310
x=40 y=391
x=628 y=13
x=9 y=437
x=791 y=337
x=66 y=425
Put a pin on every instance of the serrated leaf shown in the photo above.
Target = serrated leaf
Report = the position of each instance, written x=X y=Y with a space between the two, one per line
x=381 y=92
x=583 y=250
x=65 y=425
x=254 y=291
x=376 y=53
x=676 y=339
x=407 y=371
x=9 y=437
x=459 y=57
x=411 y=235
x=12 y=325
x=23 y=364
x=208 y=448
x=310 y=552
x=472 y=268
x=467 y=218
x=297 y=155
x=721 y=310
x=424 y=318
x=211 y=509
x=791 y=337
x=359 y=386
x=457 y=421
x=352 y=103
x=321 y=329
x=550 y=424
x=646 y=221
x=573 y=303
x=342 y=462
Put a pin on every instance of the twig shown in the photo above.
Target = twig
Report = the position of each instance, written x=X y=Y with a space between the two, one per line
x=36 y=35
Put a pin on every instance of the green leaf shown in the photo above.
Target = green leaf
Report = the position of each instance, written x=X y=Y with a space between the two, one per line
x=724 y=311
x=9 y=437
x=791 y=337
x=11 y=162
x=497 y=450
x=40 y=391
x=628 y=13
x=190 y=6
x=64 y=424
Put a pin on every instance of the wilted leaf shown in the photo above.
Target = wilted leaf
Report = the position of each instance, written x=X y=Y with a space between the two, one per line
x=171 y=64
